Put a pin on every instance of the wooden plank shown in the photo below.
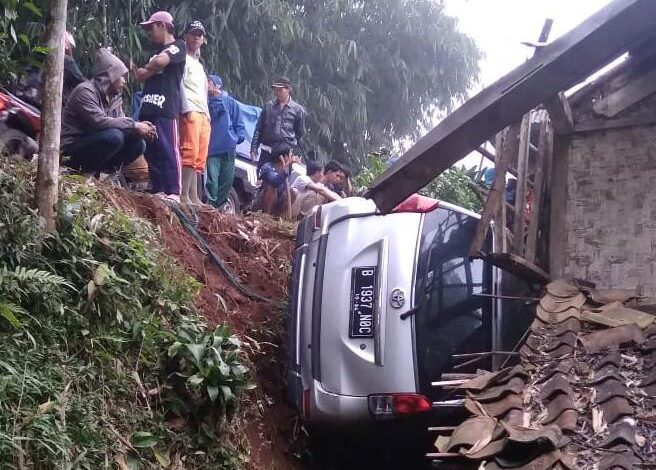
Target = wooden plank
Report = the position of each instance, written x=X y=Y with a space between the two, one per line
x=499 y=215
x=604 y=124
x=558 y=220
x=631 y=93
x=520 y=195
x=540 y=163
x=560 y=113
x=558 y=66
x=496 y=195
x=518 y=266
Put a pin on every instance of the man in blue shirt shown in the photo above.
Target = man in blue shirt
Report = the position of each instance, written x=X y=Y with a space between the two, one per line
x=227 y=132
x=275 y=193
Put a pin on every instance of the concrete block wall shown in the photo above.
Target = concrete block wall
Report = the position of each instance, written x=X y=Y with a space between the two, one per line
x=611 y=208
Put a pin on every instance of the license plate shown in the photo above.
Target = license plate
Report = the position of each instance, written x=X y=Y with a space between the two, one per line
x=363 y=301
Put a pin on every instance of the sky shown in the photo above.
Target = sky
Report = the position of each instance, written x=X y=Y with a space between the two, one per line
x=499 y=27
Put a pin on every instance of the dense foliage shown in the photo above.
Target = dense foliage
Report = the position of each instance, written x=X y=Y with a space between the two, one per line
x=368 y=72
x=457 y=185
x=104 y=363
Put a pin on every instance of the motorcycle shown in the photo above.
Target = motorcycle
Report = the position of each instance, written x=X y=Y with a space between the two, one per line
x=20 y=126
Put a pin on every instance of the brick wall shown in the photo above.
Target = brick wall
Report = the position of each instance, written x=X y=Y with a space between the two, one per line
x=611 y=208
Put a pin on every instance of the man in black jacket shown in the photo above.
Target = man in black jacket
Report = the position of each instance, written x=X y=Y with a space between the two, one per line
x=282 y=121
x=96 y=135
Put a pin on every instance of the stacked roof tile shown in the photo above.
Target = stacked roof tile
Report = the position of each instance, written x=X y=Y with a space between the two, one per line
x=582 y=397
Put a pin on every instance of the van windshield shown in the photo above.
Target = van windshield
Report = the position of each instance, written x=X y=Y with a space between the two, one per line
x=450 y=318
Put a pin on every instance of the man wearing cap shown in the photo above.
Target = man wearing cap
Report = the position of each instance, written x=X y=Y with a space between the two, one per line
x=162 y=103
x=228 y=131
x=195 y=122
x=282 y=121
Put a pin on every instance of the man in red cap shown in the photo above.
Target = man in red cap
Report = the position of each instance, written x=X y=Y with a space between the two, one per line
x=161 y=103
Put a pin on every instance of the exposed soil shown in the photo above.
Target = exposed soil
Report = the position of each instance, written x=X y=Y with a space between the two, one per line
x=258 y=251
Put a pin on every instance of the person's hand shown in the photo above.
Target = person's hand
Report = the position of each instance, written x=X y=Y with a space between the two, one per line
x=253 y=155
x=146 y=130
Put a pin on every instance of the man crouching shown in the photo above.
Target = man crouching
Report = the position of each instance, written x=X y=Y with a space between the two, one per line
x=96 y=135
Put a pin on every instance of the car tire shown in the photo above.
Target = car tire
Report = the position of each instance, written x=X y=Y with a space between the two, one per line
x=14 y=143
x=233 y=204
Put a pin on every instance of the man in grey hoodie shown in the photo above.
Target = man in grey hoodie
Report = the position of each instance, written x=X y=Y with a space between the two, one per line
x=96 y=135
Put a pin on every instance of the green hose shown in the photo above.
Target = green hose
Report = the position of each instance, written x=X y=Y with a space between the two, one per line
x=214 y=258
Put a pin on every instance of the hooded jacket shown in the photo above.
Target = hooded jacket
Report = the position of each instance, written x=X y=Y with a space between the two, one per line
x=89 y=108
x=228 y=129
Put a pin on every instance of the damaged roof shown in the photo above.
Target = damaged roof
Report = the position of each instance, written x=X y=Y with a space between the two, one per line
x=582 y=397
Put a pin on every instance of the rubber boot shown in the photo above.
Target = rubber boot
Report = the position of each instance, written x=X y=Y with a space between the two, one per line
x=193 y=191
x=188 y=174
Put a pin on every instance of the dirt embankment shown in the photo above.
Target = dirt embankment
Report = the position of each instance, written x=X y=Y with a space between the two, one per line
x=258 y=251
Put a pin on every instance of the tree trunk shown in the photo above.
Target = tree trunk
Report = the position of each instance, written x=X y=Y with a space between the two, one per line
x=53 y=77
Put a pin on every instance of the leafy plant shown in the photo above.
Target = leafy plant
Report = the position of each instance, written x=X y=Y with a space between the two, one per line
x=87 y=317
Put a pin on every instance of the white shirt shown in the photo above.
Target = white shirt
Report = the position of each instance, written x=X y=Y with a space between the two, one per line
x=195 y=84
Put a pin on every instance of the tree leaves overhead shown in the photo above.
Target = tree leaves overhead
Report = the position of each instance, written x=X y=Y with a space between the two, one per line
x=368 y=72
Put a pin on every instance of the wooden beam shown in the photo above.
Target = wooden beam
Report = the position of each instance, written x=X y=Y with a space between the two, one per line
x=520 y=195
x=497 y=193
x=541 y=161
x=490 y=156
x=558 y=222
x=631 y=93
x=558 y=66
x=560 y=113
x=604 y=125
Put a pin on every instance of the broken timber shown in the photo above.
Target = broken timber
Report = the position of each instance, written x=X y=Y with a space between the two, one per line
x=556 y=67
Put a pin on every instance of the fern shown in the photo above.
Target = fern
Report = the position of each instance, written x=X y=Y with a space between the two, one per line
x=9 y=312
x=23 y=274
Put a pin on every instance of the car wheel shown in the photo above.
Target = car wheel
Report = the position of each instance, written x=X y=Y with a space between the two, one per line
x=232 y=205
x=14 y=143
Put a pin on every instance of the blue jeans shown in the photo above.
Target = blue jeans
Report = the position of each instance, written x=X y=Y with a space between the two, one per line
x=104 y=151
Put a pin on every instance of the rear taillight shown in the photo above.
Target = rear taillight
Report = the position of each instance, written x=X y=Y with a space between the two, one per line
x=417 y=203
x=306 y=404
x=391 y=405
x=317 y=218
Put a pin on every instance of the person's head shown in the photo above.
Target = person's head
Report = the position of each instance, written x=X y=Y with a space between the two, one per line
x=109 y=71
x=282 y=150
x=315 y=171
x=282 y=88
x=194 y=37
x=335 y=173
x=214 y=85
x=159 y=27
x=69 y=43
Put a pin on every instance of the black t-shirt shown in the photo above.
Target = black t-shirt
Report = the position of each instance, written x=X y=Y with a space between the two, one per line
x=161 y=94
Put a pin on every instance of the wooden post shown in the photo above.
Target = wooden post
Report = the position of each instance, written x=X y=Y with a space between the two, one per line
x=520 y=196
x=495 y=198
x=542 y=158
x=53 y=77
x=558 y=222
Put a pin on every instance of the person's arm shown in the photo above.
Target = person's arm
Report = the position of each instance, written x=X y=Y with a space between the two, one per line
x=72 y=73
x=270 y=175
x=325 y=192
x=85 y=106
x=299 y=125
x=237 y=122
x=155 y=66
x=257 y=133
x=174 y=54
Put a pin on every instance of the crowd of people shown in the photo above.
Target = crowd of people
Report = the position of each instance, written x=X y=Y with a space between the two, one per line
x=188 y=128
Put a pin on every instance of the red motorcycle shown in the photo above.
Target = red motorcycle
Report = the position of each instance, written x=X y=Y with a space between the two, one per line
x=20 y=126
